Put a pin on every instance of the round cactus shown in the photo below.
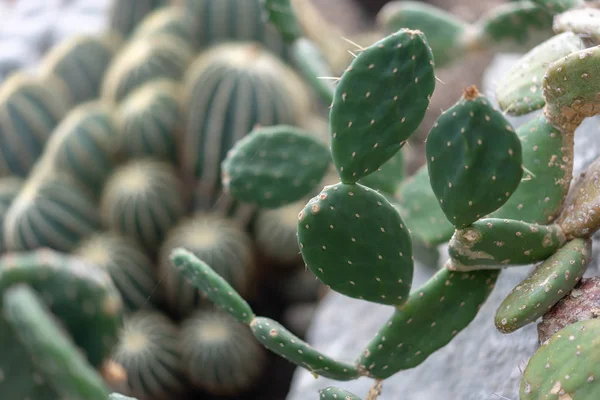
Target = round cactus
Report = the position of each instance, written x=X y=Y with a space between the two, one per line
x=51 y=210
x=220 y=354
x=9 y=189
x=149 y=350
x=81 y=62
x=219 y=85
x=30 y=109
x=84 y=145
x=149 y=121
x=143 y=199
x=171 y=20
x=125 y=16
x=131 y=270
x=216 y=240
x=144 y=60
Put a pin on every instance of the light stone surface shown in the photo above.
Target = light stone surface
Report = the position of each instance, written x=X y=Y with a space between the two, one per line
x=480 y=363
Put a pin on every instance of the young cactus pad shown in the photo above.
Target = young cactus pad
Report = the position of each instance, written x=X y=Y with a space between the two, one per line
x=214 y=286
x=429 y=320
x=268 y=332
x=355 y=241
x=274 y=166
x=551 y=281
x=497 y=242
x=567 y=367
x=582 y=21
x=379 y=102
x=334 y=393
x=474 y=159
x=56 y=357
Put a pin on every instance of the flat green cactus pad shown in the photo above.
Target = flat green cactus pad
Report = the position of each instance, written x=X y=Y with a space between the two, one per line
x=421 y=210
x=281 y=341
x=474 y=159
x=334 y=393
x=520 y=89
x=214 y=286
x=495 y=242
x=281 y=14
x=379 y=102
x=551 y=281
x=444 y=32
x=581 y=213
x=570 y=90
x=429 y=320
x=81 y=295
x=567 y=367
x=355 y=241
x=274 y=166
x=55 y=356
x=388 y=177
x=548 y=162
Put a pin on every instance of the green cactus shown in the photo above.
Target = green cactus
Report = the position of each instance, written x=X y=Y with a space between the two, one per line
x=582 y=21
x=84 y=145
x=474 y=159
x=388 y=178
x=333 y=393
x=169 y=20
x=125 y=16
x=520 y=90
x=499 y=242
x=559 y=6
x=149 y=121
x=215 y=239
x=143 y=199
x=250 y=171
x=143 y=60
x=149 y=350
x=9 y=189
x=370 y=120
x=30 y=108
x=78 y=295
x=566 y=367
x=131 y=270
x=551 y=281
x=81 y=62
x=220 y=355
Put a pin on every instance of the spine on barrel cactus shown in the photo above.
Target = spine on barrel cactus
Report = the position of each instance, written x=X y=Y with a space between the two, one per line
x=149 y=121
x=220 y=355
x=81 y=63
x=54 y=286
x=52 y=210
x=85 y=145
x=143 y=60
x=30 y=109
x=150 y=351
x=215 y=239
x=219 y=86
x=142 y=200
x=125 y=16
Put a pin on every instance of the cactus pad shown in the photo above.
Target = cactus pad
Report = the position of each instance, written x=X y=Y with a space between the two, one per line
x=571 y=90
x=388 y=177
x=281 y=341
x=551 y=281
x=520 y=89
x=494 y=242
x=429 y=320
x=580 y=216
x=56 y=357
x=274 y=166
x=281 y=14
x=334 y=393
x=566 y=367
x=548 y=162
x=421 y=210
x=582 y=21
x=379 y=102
x=474 y=159
x=214 y=286
x=355 y=241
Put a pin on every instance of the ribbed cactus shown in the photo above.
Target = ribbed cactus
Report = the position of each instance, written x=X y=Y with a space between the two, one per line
x=170 y=20
x=126 y=15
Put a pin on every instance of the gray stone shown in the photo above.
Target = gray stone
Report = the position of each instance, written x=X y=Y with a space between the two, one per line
x=480 y=363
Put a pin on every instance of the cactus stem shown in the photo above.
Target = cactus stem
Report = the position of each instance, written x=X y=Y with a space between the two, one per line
x=375 y=391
